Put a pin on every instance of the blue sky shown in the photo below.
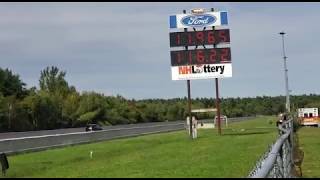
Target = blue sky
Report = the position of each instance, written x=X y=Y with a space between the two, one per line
x=106 y=47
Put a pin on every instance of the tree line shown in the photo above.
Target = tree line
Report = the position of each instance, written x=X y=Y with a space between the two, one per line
x=56 y=104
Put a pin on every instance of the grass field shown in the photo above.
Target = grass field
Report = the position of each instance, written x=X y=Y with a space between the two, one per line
x=309 y=140
x=171 y=154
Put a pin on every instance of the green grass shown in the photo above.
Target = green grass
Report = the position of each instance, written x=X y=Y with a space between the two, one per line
x=309 y=140
x=171 y=154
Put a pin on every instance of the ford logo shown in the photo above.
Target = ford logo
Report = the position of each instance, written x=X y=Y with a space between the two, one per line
x=198 y=20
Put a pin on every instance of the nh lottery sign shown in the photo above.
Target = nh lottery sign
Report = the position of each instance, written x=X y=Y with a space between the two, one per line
x=203 y=71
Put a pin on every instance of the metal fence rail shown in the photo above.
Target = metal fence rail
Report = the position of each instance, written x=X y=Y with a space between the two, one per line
x=277 y=162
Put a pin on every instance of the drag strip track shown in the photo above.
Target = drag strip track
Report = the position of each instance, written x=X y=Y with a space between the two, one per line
x=44 y=141
x=9 y=135
x=18 y=142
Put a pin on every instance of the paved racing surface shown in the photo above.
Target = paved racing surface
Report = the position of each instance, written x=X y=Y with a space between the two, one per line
x=10 y=135
x=17 y=142
x=13 y=143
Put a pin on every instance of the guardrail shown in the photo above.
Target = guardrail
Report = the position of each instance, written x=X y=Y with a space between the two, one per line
x=36 y=143
x=277 y=162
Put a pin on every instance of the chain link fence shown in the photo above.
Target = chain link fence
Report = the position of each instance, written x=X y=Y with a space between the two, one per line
x=278 y=161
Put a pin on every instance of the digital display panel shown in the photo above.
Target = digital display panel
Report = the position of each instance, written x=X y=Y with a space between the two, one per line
x=200 y=56
x=196 y=38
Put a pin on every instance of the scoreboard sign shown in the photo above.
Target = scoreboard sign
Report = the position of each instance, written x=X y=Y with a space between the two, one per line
x=196 y=38
x=200 y=63
x=200 y=56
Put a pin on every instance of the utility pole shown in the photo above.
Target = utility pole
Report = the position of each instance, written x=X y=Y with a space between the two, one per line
x=285 y=74
x=287 y=93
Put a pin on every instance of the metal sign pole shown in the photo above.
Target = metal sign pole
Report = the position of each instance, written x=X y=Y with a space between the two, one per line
x=218 y=106
x=217 y=93
x=189 y=91
x=189 y=107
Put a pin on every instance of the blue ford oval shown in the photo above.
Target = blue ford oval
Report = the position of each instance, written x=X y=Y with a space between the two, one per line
x=198 y=20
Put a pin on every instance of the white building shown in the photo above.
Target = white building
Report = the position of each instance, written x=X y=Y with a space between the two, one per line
x=307 y=112
x=309 y=116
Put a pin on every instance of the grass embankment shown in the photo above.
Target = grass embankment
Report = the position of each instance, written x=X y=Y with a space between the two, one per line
x=171 y=154
x=309 y=140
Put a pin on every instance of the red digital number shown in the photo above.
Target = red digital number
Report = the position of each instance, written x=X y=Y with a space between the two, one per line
x=225 y=55
x=178 y=39
x=200 y=37
x=222 y=36
x=200 y=56
x=189 y=38
x=190 y=57
x=213 y=56
x=211 y=38
x=179 y=57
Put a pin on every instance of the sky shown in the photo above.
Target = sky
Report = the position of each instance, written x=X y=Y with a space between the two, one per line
x=122 y=48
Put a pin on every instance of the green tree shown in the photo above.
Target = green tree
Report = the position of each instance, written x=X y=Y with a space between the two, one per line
x=11 y=85
x=69 y=108
x=92 y=107
x=53 y=81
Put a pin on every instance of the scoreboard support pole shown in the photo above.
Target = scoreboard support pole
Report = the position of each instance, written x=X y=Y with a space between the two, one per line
x=218 y=106
x=189 y=92
x=189 y=107
x=217 y=96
